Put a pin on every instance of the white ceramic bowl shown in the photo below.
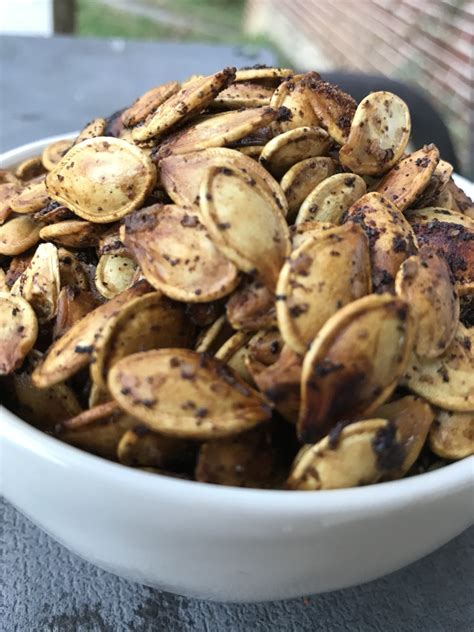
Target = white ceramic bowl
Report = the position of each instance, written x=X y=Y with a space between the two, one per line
x=223 y=543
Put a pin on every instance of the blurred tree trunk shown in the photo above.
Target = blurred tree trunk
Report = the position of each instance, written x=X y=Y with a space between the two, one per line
x=64 y=16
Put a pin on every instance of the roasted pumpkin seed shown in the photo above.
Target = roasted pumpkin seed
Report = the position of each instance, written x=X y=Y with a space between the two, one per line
x=43 y=408
x=251 y=307
x=391 y=238
x=452 y=234
x=32 y=198
x=297 y=144
x=40 y=283
x=114 y=274
x=378 y=135
x=81 y=180
x=72 y=233
x=217 y=131
x=312 y=287
x=409 y=177
x=95 y=128
x=53 y=153
x=18 y=331
x=411 y=418
x=18 y=235
x=424 y=281
x=182 y=393
x=181 y=176
x=452 y=434
x=145 y=105
x=30 y=168
x=252 y=459
x=147 y=322
x=334 y=108
x=343 y=374
x=75 y=348
x=349 y=458
x=331 y=198
x=191 y=99
x=302 y=178
x=243 y=223
x=446 y=381
x=176 y=254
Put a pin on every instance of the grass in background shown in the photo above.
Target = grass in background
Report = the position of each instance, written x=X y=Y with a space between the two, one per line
x=97 y=20
x=209 y=20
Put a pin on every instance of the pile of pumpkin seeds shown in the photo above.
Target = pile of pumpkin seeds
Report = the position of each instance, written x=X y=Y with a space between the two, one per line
x=243 y=279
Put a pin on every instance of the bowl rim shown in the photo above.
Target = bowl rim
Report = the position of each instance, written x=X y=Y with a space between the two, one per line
x=400 y=492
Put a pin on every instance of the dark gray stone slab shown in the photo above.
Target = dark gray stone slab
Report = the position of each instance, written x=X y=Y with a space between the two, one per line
x=48 y=589
x=51 y=86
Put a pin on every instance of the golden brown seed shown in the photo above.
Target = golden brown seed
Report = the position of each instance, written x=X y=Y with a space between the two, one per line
x=334 y=107
x=73 y=233
x=244 y=94
x=181 y=176
x=322 y=275
x=378 y=135
x=147 y=322
x=32 y=198
x=424 y=281
x=73 y=305
x=302 y=178
x=411 y=418
x=286 y=149
x=145 y=105
x=177 y=256
x=350 y=459
x=251 y=307
x=410 y=177
x=452 y=434
x=234 y=351
x=280 y=381
x=214 y=336
x=39 y=284
x=98 y=430
x=217 y=130
x=446 y=381
x=18 y=331
x=30 y=168
x=182 y=393
x=244 y=224
x=114 y=274
x=452 y=235
x=354 y=363
x=437 y=188
x=102 y=179
x=53 y=153
x=391 y=238
x=293 y=95
x=301 y=232
x=75 y=349
x=43 y=408
x=260 y=74
x=8 y=192
x=331 y=198
x=191 y=99
x=18 y=235
x=92 y=130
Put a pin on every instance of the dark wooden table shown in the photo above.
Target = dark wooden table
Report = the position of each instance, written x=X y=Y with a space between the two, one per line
x=50 y=86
